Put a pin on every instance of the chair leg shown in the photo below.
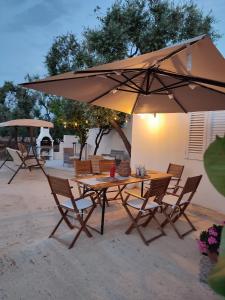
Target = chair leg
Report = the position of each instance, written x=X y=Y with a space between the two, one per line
x=42 y=169
x=11 y=179
x=83 y=227
x=168 y=220
x=4 y=162
x=57 y=225
x=189 y=222
x=136 y=226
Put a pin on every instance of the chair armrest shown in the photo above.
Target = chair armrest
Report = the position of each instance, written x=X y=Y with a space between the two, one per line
x=135 y=195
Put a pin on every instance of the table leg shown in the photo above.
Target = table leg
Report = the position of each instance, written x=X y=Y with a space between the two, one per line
x=142 y=188
x=103 y=209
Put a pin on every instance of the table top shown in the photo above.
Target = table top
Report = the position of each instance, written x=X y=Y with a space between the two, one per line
x=101 y=181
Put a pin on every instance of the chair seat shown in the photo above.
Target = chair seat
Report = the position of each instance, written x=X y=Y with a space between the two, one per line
x=171 y=185
x=172 y=200
x=33 y=162
x=137 y=203
x=81 y=204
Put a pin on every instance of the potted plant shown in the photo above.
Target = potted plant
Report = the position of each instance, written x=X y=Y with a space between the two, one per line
x=209 y=242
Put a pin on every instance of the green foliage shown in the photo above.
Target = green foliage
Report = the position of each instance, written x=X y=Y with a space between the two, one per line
x=64 y=55
x=139 y=26
x=16 y=103
x=214 y=162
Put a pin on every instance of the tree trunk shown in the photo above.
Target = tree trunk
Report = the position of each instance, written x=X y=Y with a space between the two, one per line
x=99 y=137
x=97 y=141
x=81 y=150
x=122 y=135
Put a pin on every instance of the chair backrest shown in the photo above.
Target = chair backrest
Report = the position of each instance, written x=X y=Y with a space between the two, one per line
x=189 y=189
x=95 y=163
x=106 y=164
x=16 y=156
x=82 y=167
x=60 y=186
x=175 y=170
x=157 y=189
x=23 y=149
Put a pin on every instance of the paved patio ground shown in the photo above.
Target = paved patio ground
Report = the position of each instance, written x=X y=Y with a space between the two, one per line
x=110 y=267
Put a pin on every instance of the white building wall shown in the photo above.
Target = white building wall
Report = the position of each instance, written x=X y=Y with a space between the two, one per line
x=158 y=141
x=110 y=141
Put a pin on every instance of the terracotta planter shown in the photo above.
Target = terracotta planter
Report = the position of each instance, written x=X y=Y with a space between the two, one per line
x=124 y=169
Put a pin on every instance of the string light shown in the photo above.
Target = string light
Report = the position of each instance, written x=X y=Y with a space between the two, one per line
x=171 y=97
x=114 y=91
x=192 y=86
x=64 y=124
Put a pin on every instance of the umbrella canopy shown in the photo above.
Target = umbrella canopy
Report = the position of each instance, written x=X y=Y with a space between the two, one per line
x=183 y=78
x=27 y=123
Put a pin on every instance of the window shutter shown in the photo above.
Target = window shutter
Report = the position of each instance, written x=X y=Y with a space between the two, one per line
x=197 y=135
x=217 y=124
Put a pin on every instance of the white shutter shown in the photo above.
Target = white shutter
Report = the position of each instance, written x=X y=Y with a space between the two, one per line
x=217 y=124
x=197 y=135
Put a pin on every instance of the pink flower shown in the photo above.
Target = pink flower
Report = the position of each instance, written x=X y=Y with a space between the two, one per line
x=212 y=240
x=212 y=231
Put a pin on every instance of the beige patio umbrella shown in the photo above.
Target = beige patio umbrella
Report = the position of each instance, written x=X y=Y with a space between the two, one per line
x=182 y=78
x=27 y=123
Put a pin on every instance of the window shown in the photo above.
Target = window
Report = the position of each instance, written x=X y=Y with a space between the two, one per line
x=217 y=124
x=203 y=129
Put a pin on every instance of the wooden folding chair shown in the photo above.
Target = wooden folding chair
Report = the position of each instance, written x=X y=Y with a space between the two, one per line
x=174 y=205
x=146 y=207
x=79 y=207
x=176 y=171
x=22 y=163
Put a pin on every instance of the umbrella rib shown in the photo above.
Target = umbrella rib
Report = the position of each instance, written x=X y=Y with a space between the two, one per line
x=123 y=90
x=123 y=83
x=176 y=51
x=139 y=88
x=191 y=78
x=209 y=88
x=172 y=85
x=108 y=91
x=138 y=95
x=108 y=70
x=151 y=81
x=175 y=99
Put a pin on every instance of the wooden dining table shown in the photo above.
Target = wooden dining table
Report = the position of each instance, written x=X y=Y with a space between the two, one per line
x=101 y=182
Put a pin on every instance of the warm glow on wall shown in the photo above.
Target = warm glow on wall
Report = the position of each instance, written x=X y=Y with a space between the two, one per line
x=154 y=121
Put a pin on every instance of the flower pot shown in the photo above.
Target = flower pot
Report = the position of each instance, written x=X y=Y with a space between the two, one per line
x=205 y=267
x=213 y=256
